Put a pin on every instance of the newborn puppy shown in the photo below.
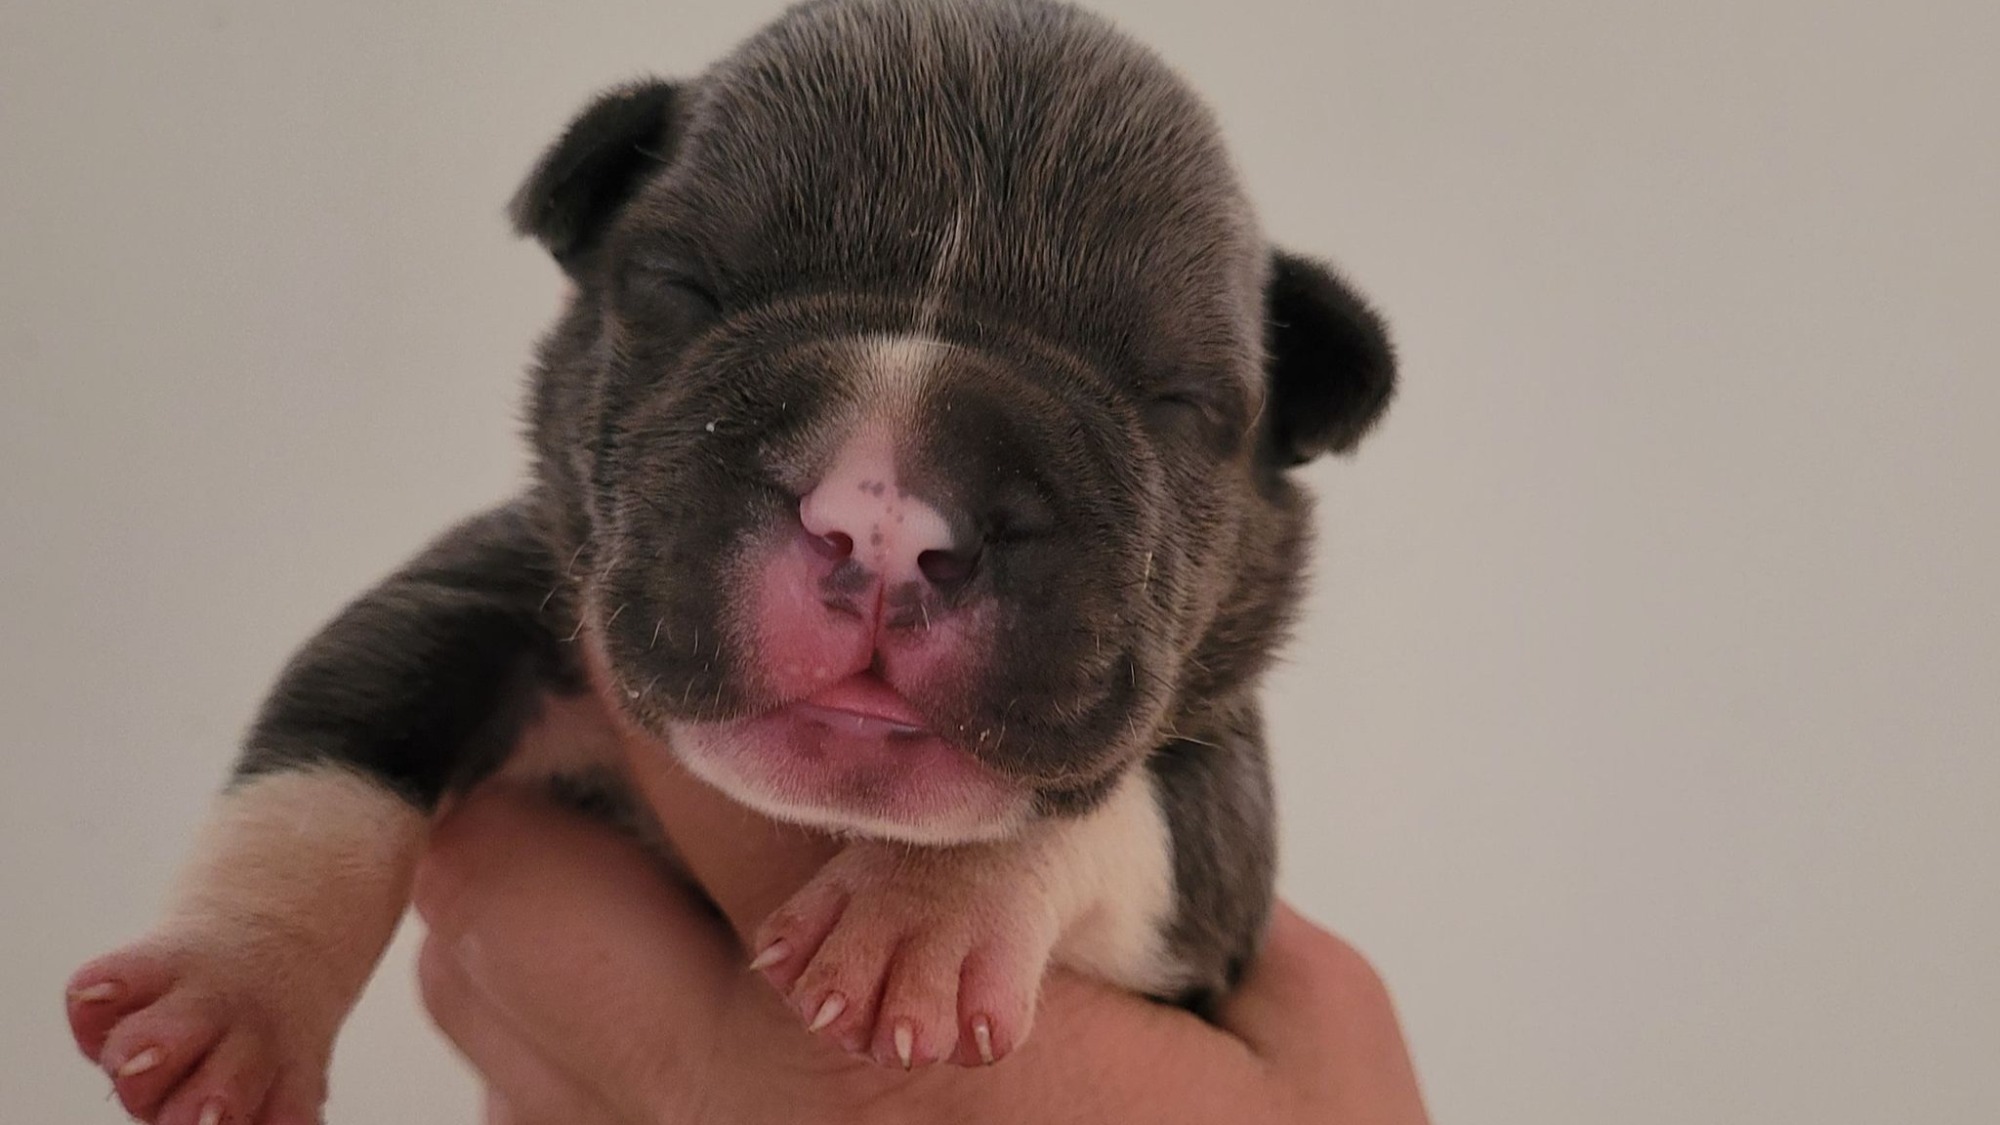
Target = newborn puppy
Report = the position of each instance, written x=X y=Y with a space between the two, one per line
x=911 y=464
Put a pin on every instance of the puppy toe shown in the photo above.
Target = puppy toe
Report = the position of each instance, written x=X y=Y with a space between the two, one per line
x=996 y=1004
x=918 y=1021
x=791 y=938
x=840 y=991
x=107 y=990
x=151 y=1052
x=227 y=1088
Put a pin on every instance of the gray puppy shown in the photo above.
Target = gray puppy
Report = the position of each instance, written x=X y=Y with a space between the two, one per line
x=910 y=464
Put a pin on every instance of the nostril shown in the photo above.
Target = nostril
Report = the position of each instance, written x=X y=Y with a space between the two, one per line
x=947 y=568
x=835 y=545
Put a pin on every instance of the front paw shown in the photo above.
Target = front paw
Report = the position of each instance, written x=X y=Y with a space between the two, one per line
x=913 y=956
x=192 y=1033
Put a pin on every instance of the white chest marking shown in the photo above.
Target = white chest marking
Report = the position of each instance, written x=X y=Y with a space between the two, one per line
x=1112 y=874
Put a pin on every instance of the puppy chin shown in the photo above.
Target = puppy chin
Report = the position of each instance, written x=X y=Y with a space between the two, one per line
x=911 y=787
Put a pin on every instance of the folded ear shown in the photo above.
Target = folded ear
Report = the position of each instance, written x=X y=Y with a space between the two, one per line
x=611 y=148
x=1328 y=358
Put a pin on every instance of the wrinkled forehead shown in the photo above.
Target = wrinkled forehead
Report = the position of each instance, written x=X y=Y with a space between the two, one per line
x=1084 y=198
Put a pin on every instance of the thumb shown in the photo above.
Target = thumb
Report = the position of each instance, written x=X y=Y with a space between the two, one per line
x=573 y=935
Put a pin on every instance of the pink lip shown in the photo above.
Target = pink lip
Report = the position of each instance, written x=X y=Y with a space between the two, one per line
x=863 y=700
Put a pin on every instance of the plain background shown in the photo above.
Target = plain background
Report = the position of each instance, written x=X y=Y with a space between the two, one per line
x=1643 y=728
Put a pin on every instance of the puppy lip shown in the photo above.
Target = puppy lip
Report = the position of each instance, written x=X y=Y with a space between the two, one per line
x=862 y=704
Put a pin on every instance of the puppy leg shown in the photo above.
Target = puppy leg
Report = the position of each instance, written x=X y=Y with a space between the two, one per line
x=227 y=1011
x=1216 y=794
x=914 y=955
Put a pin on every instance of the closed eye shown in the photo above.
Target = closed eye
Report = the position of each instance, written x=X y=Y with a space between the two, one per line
x=1184 y=416
x=665 y=298
x=642 y=278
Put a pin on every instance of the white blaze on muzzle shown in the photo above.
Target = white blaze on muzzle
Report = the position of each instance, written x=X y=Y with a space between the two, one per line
x=861 y=505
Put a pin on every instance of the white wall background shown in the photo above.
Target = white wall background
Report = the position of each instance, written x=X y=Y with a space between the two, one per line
x=1644 y=727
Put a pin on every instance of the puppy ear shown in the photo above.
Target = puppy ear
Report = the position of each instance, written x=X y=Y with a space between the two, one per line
x=1331 y=368
x=605 y=154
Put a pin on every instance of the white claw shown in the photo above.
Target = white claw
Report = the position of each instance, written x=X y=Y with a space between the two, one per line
x=982 y=1034
x=829 y=1010
x=141 y=1063
x=906 y=1042
x=211 y=1114
x=773 y=953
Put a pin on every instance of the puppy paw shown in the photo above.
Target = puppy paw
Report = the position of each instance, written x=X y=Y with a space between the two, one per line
x=194 y=1036
x=913 y=956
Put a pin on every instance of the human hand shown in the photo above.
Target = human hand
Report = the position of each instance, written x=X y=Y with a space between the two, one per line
x=588 y=989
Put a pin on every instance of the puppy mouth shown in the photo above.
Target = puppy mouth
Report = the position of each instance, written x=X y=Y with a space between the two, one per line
x=862 y=705
x=856 y=755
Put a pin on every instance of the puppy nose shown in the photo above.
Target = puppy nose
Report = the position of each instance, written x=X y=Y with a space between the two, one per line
x=860 y=511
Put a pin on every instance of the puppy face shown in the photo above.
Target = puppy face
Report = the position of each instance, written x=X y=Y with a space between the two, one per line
x=923 y=411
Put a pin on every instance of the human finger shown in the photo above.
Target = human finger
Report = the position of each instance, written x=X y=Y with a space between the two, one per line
x=523 y=1087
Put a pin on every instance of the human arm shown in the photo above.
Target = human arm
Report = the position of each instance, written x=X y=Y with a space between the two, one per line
x=587 y=988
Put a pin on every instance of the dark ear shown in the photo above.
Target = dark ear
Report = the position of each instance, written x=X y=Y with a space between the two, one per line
x=602 y=158
x=1328 y=358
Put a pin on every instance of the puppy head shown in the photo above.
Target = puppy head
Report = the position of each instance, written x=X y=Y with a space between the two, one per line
x=925 y=396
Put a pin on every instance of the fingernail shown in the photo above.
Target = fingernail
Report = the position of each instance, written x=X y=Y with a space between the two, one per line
x=211 y=1114
x=982 y=1034
x=829 y=1010
x=773 y=953
x=140 y=1063
x=96 y=993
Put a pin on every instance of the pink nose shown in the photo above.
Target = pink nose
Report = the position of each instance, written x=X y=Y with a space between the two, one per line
x=860 y=511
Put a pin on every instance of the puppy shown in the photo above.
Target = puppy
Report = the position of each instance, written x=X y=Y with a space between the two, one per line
x=911 y=464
